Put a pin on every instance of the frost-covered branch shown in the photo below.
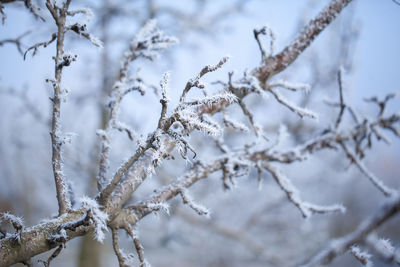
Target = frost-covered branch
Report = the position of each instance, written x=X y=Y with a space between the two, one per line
x=195 y=81
x=123 y=259
x=35 y=10
x=275 y=64
x=383 y=248
x=187 y=199
x=35 y=47
x=302 y=112
x=265 y=30
x=147 y=43
x=363 y=257
x=374 y=180
x=138 y=247
x=109 y=206
x=306 y=209
x=341 y=245
x=81 y=30
x=97 y=217
x=59 y=16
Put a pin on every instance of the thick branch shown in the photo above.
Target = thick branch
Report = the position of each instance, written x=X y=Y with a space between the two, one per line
x=275 y=64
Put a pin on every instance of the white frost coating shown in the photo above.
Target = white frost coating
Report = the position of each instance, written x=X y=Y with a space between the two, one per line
x=362 y=256
x=302 y=112
x=16 y=221
x=191 y=119
x=85 y=11
x=164 y=86
x=95 y=41
x=145 y=264
x=62 y=235
x=267 y=30
x=250 y=84
x=67 y=138
x=385 y=245
x=187 y=199
x=306 y=209
x=291 y=86
x=214 y=99
x=150 y=40
x=378 y=183
x=101 y=132
x=129 y=258
x=159 y=206
x=229 y=122
x=98 y=217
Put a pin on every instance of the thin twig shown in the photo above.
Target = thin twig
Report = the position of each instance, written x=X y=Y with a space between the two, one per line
x=59 y=16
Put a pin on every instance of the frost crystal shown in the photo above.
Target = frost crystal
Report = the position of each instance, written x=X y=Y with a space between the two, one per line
x=291 y=86
x=229 y=122
x=361 y=256
x=16 y=221
x=215 y=99
x=187 y=199
x=98 y=217
x=150 y=40
x=302 y=112
x=159 y=206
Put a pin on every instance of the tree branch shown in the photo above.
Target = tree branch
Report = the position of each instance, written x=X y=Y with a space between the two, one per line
x=275 y=64
x=341 y=245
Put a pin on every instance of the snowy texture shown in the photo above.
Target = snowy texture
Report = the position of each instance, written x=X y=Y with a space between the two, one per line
x=15 y=221
x=378 y=183
x=187 y=199
x=302 y=112
x=229 y=122
x=291 y=86
x=150 y=40
x=363 y=257
x=306 y=209
x=266 y=30
x=98 y=217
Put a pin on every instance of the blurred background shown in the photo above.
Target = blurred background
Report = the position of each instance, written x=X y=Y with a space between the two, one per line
x=249 y=226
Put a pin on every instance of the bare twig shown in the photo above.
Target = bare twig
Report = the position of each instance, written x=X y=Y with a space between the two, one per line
x=44 y=44
x=52 y=256
x=16 y=41
x=341 y=103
